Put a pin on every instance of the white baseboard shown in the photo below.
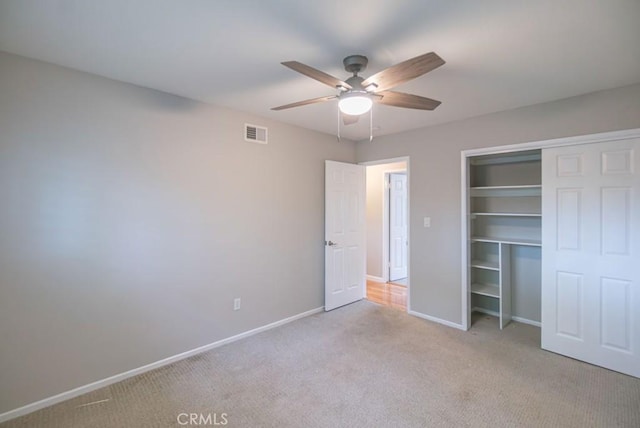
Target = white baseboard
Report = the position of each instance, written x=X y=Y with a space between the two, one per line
x=514 y=318
x=375 y=279
x=49 y=401
x=527 y=321
x=437 y=320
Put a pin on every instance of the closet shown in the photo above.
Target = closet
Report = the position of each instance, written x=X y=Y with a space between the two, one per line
x=505 y=235
x=551 y=237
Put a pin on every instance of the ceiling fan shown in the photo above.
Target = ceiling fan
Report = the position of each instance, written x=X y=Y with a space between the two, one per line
x=356 y=95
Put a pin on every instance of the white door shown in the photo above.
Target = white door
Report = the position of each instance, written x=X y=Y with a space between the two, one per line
x=397 y=226
x=591 y=253
x=344 y=234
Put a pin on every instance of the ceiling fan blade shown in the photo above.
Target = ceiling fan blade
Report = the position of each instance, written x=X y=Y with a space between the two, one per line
x=404 y=71
x=305 y=102
x=348 y=119
x=399 y=99
x=316 y=74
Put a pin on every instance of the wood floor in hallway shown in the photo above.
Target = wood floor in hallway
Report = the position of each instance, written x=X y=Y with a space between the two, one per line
x=388 y=294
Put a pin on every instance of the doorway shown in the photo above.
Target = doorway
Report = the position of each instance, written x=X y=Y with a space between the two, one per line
x=387 y=247
x=396 y=183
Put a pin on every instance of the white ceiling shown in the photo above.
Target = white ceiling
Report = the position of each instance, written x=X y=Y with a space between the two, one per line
x=500 y=54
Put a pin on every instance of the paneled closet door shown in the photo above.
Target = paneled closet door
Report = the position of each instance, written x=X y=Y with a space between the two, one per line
x=591 y=253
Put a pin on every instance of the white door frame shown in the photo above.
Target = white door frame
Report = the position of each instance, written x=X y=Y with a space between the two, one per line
x=385 y=220
x=464 y=175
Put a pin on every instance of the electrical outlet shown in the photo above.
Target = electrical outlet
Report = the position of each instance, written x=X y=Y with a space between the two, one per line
x=427 y=222
x=236 y=304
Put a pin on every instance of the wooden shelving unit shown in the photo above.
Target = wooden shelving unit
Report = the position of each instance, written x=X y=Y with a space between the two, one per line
x=505 y=210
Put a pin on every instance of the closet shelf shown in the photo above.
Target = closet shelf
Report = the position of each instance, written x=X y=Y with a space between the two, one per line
x=509 y=214
x=518 y=186
x=529 y=242
x=484 y=264
x=500 y=158
x=490 y=290
x=506 y=191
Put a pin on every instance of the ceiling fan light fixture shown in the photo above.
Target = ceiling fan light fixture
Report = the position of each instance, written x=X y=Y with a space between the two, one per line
x=355 y=103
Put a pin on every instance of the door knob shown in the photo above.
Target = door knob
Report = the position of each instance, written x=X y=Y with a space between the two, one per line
x=330 y=243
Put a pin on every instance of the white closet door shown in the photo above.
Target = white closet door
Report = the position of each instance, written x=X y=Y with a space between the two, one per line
x=591 y=253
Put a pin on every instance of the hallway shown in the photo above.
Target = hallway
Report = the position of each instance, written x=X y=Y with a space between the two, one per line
x=388 y=294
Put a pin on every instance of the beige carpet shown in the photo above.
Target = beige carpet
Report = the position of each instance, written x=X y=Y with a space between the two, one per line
x=365 y=366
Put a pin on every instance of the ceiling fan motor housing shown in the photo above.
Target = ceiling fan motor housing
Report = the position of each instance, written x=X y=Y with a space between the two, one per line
x=355 y=63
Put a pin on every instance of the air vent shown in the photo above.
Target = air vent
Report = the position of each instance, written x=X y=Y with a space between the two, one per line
x=255 y=134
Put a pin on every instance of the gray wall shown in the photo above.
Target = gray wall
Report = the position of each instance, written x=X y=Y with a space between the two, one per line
x=130 y=220
x=435 y=177
x=375 y=206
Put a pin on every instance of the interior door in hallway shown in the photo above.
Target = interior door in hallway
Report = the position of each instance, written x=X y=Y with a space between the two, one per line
x=591 y=253
x=345 y=246
x=397 y=226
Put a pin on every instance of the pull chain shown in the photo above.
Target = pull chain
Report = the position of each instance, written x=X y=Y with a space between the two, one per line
x=339 y=123
x=371 y=124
